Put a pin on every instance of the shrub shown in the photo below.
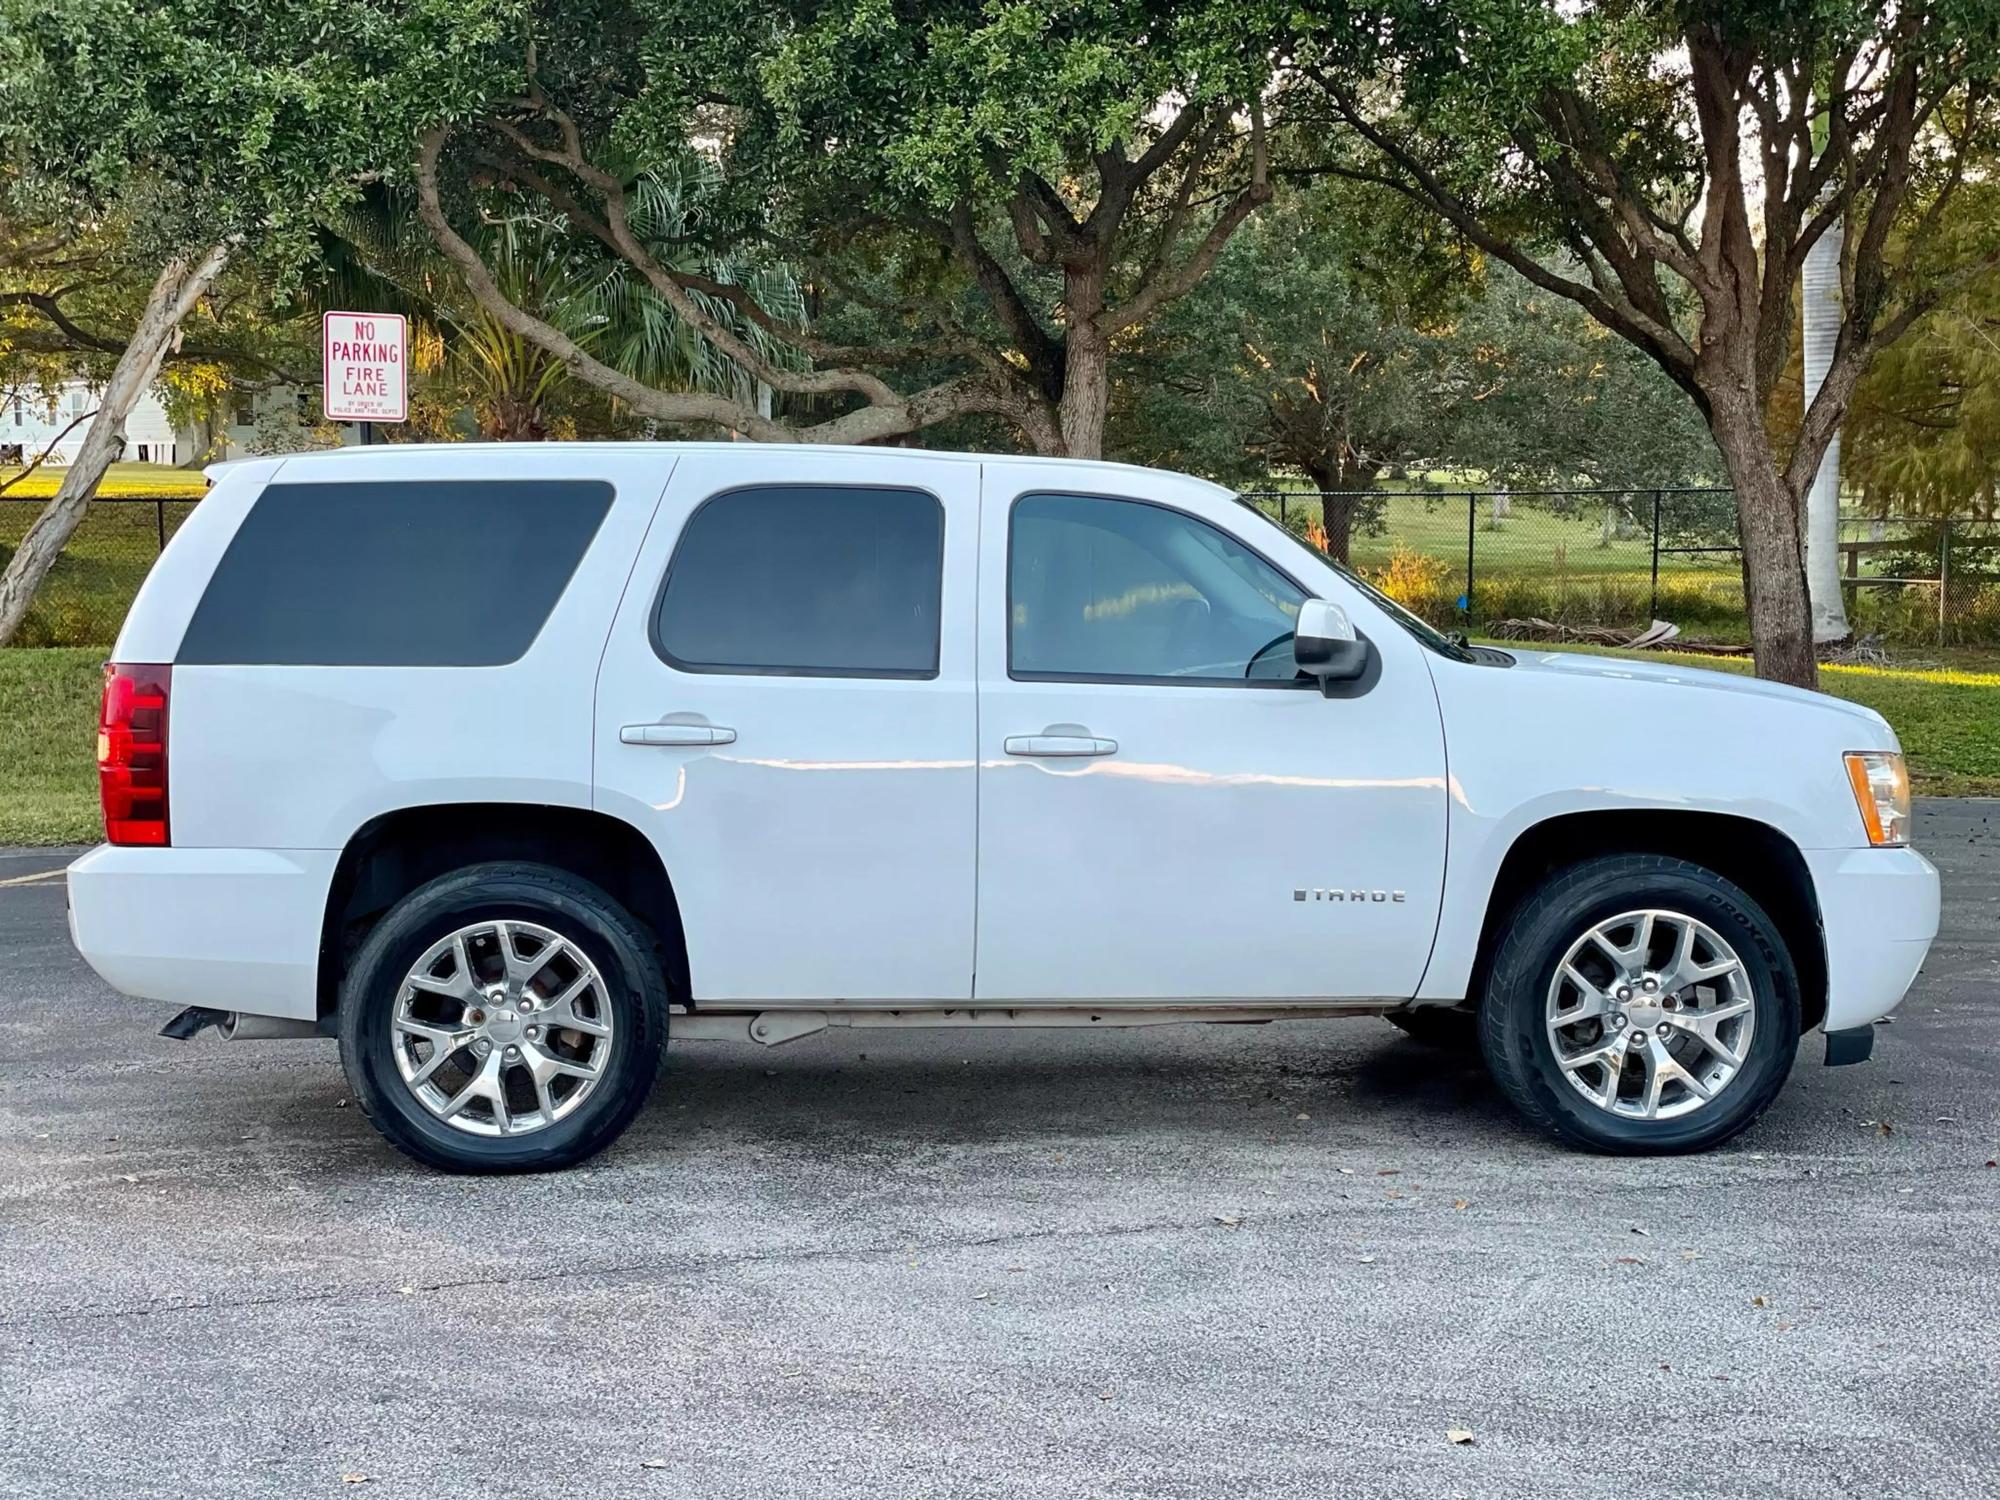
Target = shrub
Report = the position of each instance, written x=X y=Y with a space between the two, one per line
x=1422 y=584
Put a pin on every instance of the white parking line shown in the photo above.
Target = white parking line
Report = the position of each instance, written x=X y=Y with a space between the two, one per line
x=33 y=879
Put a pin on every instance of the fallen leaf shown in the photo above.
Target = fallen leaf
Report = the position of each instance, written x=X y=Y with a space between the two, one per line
x=1460 y=1204
x=1757 y=1302
x=1459 y=1435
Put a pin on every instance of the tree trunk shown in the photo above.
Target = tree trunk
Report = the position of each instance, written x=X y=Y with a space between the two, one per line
x=1336 y=517
x=1086 y=388
x=1820 y=317
x=1767 y=514
x=180 y=286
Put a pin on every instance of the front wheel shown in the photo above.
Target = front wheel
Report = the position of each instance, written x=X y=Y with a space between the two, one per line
x=503 y=1018
x=1641 y=1004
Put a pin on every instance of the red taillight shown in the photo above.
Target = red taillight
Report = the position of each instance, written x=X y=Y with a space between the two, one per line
x=132 y=753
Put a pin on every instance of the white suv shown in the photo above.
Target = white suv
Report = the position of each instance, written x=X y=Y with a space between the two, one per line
x=504 y=764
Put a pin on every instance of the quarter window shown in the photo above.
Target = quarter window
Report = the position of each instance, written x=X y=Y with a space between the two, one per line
x=1124 y=590
x=807 y=580
x=392 y=574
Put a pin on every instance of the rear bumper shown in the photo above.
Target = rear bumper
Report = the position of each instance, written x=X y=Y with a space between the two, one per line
x=1879 y=908
x=232 y=929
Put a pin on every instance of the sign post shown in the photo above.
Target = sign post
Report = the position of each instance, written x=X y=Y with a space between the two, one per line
x=366 y=369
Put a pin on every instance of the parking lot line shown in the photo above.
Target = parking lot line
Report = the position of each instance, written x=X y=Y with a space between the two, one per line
x=34 y=879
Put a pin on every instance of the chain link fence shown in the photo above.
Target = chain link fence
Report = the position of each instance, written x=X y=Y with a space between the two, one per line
x=1464 y=559
x=83 y=600
x=1618 y=559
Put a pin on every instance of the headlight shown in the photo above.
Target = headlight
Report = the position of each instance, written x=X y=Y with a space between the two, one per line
x=1882 y=793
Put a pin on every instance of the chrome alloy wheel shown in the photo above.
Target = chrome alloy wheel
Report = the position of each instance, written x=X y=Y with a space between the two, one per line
x=502 y=1028
x=1650 y=1015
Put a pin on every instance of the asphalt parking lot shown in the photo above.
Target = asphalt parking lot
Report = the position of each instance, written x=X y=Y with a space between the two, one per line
x=1266 y=1261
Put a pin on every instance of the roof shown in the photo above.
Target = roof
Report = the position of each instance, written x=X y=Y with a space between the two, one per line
x=888 y=454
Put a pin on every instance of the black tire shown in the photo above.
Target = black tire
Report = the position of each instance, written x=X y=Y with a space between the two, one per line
x=581 y=912
x=1442 y=1026
x=1512 y=1019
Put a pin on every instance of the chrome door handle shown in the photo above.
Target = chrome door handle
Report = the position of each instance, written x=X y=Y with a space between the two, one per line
x=1058 y=744
x=676 y=734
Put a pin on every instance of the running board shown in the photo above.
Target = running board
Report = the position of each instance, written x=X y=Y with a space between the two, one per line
x=774 y=1027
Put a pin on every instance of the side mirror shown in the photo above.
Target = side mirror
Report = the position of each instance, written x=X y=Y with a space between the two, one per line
x=1325 y=644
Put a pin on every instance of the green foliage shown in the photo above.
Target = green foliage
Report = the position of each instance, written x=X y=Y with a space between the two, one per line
x=1333 y=341
x=1923 y=436
x=197 y=119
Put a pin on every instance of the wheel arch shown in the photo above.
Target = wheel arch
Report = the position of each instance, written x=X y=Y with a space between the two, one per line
x=1753 y=855
x=392 y=854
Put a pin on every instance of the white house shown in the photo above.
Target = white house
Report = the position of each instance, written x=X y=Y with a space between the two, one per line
x=30 y=422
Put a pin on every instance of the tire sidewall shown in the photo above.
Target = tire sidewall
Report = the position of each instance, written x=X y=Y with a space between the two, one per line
x=1527 y=967
x=635 y=995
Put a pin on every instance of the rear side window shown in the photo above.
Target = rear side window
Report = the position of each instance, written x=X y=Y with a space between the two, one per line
x=806 y=580
x=394 y=574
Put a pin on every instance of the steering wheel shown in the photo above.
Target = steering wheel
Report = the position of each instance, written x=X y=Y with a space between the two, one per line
x=1264 y=650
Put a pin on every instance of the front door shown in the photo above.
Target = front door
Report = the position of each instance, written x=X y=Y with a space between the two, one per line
x=1167 y=812
x=787 y=707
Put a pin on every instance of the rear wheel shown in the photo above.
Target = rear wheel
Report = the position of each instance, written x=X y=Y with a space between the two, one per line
x=503 y=1018
x=1641 y=1004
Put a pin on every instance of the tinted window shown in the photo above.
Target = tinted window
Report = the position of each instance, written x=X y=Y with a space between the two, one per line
x=389 y=574
x=809 y=580
x=1118 y=588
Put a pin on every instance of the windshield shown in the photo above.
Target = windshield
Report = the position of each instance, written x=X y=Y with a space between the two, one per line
x=1423 y=630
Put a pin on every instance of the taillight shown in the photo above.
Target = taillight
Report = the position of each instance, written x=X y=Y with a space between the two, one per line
x=132 y=753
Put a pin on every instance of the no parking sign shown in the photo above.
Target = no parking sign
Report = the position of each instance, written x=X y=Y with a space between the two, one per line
x=366 y=359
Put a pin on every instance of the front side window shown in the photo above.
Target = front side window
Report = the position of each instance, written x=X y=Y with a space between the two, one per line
x=1121 y=589
x=807 y=580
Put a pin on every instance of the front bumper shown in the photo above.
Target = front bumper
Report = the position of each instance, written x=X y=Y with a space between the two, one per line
x=229 y=929
x=1879 y=909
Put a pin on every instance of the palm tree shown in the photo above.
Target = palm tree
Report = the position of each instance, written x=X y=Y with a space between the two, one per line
x=384 y=260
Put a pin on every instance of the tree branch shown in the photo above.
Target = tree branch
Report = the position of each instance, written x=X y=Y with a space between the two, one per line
x=1169 y=286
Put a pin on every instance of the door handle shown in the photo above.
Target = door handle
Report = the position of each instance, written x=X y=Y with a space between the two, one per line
x=676 y=734
x=1058 y=744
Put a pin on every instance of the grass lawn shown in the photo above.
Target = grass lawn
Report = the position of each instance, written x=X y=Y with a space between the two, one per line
x=1949 y=720
x=93 y=582
x=48 y=736
x=123 y=480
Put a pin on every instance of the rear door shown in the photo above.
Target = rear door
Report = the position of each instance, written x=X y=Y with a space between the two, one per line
x=787 y=707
